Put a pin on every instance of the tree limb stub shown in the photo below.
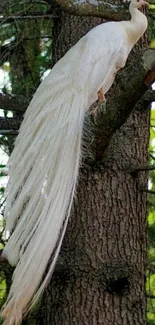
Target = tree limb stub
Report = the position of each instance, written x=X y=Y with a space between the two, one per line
x=146 y=190
x=95 y=8
x=9 y=125
x=141 y=168
x=129 y=89
x=150 y=95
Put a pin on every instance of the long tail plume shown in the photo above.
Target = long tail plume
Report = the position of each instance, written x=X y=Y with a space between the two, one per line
x=43 y=173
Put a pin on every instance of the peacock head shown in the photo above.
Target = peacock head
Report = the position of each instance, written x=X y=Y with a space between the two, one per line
x=141 y=3
x=137 y=3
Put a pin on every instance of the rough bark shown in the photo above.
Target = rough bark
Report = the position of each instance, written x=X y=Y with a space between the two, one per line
x=100 y=274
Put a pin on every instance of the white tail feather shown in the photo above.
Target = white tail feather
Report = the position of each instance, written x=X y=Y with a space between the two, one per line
x=43 y=174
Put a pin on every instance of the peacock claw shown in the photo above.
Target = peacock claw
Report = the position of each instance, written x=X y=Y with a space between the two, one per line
x=101 y=97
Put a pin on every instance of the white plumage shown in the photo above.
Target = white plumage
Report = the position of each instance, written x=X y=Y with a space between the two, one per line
x=43 y=167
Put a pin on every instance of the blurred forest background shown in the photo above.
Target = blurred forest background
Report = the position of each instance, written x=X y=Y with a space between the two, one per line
x=25 y=59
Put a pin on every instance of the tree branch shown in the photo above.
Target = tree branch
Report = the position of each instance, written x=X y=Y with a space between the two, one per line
x=8 y=132
x=151 y=156
x=146 y=190
x=12 y=18
x=13 y=103
x=96 y=8
x=141 y=168
x=150 y=296
x=128 y=91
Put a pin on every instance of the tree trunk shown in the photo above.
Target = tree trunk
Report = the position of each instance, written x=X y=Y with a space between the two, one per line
x=100 y=274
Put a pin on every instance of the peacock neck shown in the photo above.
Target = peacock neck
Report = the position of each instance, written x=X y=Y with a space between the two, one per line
x=136 y=27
